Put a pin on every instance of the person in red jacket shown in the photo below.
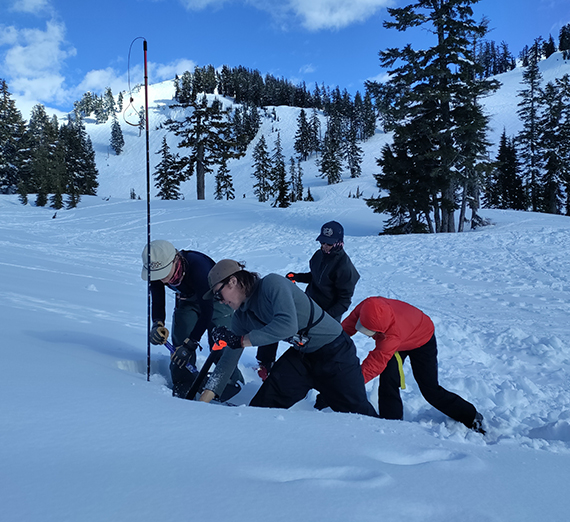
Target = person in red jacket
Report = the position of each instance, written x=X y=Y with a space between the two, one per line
x=397 y=326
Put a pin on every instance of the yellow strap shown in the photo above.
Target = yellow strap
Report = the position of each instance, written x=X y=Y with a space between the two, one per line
x=401 y=370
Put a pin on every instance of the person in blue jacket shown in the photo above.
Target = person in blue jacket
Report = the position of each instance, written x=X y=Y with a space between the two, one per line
x=186 y=273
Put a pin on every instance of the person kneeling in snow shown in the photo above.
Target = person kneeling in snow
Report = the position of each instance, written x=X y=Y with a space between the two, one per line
x=271 y=309
x=400 y=328
x=186 y=273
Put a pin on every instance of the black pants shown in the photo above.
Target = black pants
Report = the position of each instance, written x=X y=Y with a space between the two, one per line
x=424 y=368
x=333 y=370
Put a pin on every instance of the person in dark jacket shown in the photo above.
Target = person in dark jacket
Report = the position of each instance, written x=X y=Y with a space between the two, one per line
x=272 y=309
x=330 y=283
x=186 y=273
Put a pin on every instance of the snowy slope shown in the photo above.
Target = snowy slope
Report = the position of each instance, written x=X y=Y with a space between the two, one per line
x=85 y=438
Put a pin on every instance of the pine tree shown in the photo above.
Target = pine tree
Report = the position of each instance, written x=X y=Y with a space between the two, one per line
x=554 y=166
x=224 y=183
x=295 y=180
x=81 y=170
x=262 y=170
x=142 y=121
x=42 y=136
x=421 y=169
x=563 y=85
x=315 y=133
x=353 y=154
x=549 y=47
x=302 y=143
x=117 y=140
x=14 y=152
x=528 y=138
x=109 y=102
x=207 y=133
x=330 y=163
x=278 y=176
x=167 y=176
x=564 y=41
x=504 y=187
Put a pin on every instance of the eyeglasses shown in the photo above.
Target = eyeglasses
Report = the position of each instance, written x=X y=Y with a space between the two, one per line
x=218 y=293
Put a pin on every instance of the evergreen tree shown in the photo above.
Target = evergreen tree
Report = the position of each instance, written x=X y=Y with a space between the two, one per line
x=14 y=152
x=79 y=158
x=421 y=169
x=504 y=187
x=207 y=133
x=529 y=137
x=224 y=183
x=368 y=118
x=554 y=166
x=563 y=85
x=59 y=177
x=353 y=154
x=120 y=102
x=302 y=143
x=109 y=102
x=315 y=132
x=549 y=47
x=330 y=163
x=117 y=140
x=309 y=196
x=278 y=176
x=142 y=120
x=262 y=170
x=564 y=41
x=167 y=174
x=42 y=136
x=295 y=180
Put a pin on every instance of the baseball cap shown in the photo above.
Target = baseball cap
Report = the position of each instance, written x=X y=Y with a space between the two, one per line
x=220 y=271
x=162 y=254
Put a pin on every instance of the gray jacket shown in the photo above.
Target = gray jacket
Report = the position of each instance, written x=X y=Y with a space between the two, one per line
x=277 y=309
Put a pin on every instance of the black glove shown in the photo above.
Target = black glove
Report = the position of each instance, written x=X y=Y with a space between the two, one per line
x=291 y=276
x=158 y=333
x=224 y=337
x=181 y=357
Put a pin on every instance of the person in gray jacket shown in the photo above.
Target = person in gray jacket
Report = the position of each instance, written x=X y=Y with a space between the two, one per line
x=272 y=309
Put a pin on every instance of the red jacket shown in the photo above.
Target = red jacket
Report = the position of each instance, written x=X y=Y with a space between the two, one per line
x=403 y=326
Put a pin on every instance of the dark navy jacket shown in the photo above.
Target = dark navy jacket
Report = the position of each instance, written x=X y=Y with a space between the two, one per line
x=193 y=286
x=331 y=281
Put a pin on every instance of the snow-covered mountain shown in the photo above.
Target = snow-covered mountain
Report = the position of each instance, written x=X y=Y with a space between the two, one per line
x=119 y=174
x=85 y=438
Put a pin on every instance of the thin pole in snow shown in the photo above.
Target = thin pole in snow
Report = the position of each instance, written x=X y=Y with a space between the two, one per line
x=147 y=211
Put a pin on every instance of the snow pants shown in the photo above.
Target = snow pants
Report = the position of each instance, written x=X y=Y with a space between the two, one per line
x=333 y=370
x=424 y=368
x=226 y=373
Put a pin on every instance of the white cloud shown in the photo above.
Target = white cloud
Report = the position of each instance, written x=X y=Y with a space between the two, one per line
x=317 y=15
x=334 y=14
x=34 y=60
x=314 y=15
x=197 y=5
x=307 y=69
x=31 y=6
x=160 y=72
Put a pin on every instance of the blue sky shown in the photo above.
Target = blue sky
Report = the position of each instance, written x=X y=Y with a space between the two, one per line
x=52 y=51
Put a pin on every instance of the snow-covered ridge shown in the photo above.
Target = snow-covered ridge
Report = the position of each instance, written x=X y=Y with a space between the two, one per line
x=119 y=174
